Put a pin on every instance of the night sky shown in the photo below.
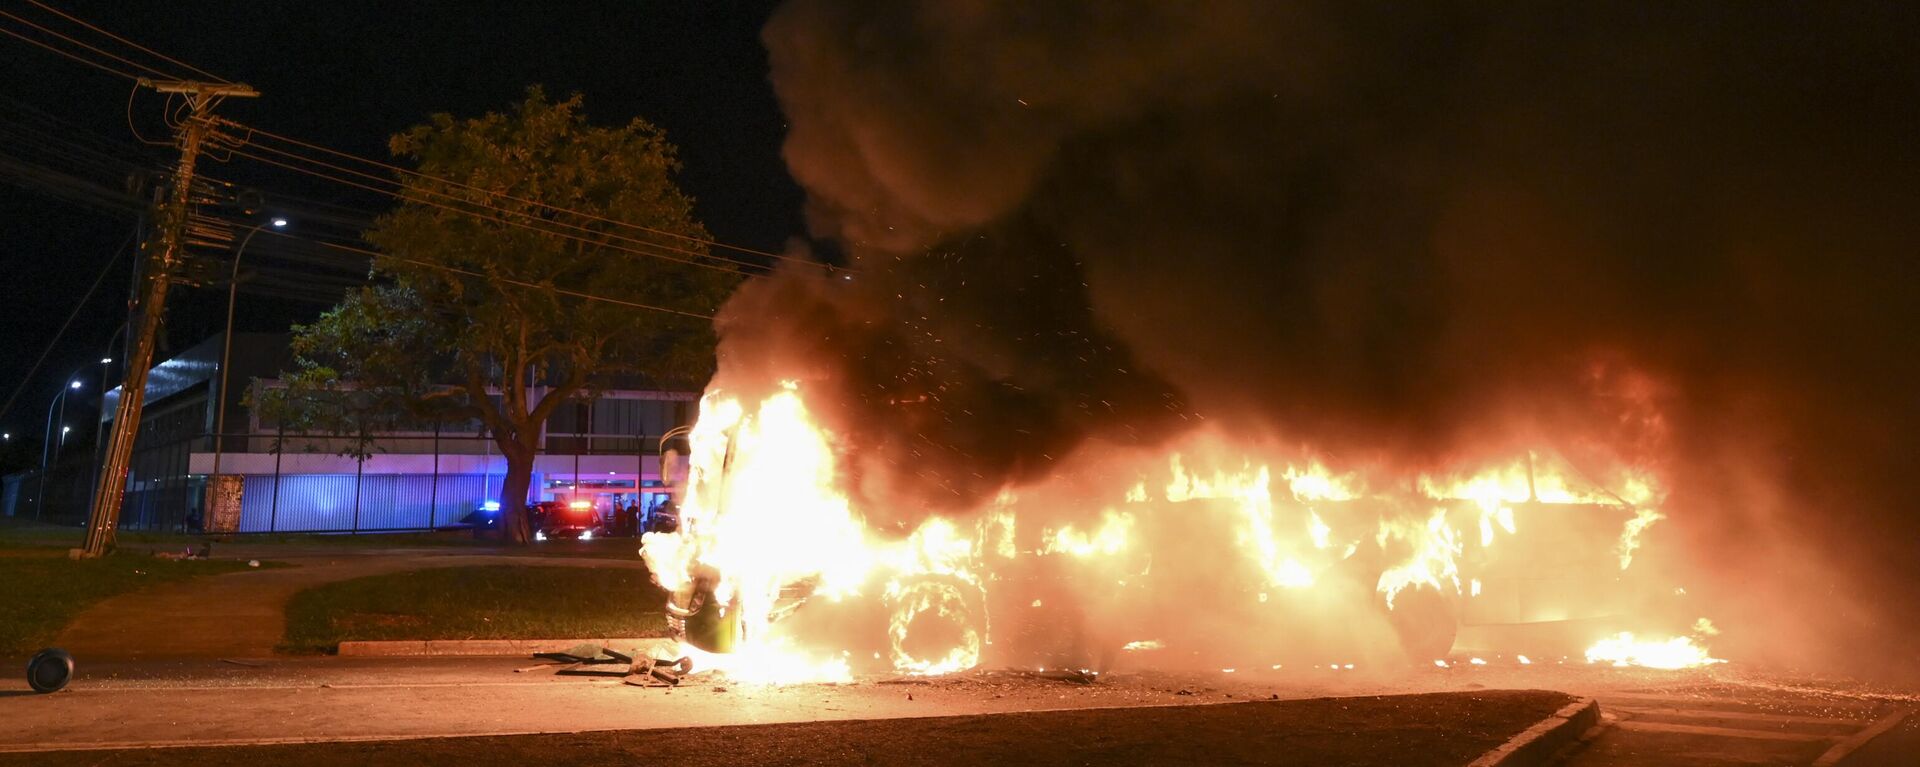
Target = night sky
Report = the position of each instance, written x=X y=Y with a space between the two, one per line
x=346 y=76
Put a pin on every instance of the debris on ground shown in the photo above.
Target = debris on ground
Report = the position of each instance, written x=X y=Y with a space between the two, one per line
x=633 y=668
x=1068 y=675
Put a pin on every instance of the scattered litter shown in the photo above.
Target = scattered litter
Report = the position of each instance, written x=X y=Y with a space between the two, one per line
x=1073 y=676
x=253 y=563
x=204 y=552
x=631 y=668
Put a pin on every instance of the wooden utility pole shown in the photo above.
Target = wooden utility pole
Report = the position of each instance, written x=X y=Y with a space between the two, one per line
x=163 y=256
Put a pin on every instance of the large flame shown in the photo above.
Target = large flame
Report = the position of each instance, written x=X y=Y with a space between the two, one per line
x=766 y=521
x=1625 y=649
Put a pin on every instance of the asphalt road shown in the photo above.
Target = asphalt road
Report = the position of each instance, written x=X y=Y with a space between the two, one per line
x=1432 y=730
x=1718 y=716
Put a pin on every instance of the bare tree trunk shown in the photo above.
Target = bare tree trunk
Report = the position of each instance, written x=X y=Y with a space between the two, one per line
x=514 y=525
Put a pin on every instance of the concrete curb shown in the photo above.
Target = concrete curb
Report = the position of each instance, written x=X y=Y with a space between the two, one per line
x=492 y=647
x=1841 y=750
x=1537 y=745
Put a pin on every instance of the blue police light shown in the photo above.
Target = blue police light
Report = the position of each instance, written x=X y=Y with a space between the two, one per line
x=490 y=506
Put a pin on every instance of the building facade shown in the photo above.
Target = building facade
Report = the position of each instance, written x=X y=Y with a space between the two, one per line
x=604 y=451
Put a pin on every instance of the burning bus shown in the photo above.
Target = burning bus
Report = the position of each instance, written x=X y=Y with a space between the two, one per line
x=1196 y=554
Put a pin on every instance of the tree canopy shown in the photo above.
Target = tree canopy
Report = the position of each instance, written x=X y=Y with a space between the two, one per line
x=512 y=278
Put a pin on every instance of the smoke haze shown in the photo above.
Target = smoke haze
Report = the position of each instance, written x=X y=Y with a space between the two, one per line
x=1681 y=235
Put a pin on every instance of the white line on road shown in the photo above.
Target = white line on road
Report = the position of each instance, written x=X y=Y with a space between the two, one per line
x=1720 y=732
x=1745 y=716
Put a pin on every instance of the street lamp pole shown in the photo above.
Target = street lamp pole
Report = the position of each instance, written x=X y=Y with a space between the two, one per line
x=47 y=438
x=226 y=342
x=100 y=424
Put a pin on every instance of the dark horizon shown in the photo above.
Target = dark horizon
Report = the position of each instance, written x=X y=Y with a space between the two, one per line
x=347 y=77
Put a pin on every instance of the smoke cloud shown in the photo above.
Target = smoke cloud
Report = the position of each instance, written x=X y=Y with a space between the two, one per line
x=1683 y=235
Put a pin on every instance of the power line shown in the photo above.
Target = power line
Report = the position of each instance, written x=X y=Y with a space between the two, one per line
x=495 y=278
x=130 y=43
x=130 y=128
x=401 y=194
x=502 y=195
x=63 y=326
x=115 y=57
x=496 y=219
x=75 y=132
x=83 y=60
x=356 y=158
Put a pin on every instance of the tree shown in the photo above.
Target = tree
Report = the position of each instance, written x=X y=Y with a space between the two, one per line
x=478 y=312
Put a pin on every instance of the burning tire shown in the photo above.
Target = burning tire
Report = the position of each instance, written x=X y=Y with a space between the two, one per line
x=699 y=619
x=950 y=605
x=1426 y=621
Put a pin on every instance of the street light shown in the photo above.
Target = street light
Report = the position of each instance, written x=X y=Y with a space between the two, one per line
x=226 y=341
x=46 y=438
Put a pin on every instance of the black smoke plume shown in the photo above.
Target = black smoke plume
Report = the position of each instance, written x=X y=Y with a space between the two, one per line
x=1395 y=230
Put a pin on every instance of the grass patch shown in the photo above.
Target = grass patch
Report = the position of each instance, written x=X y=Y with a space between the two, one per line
x=44 y=589
x=484 y=602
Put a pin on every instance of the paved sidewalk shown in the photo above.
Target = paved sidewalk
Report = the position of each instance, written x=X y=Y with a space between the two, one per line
x=180 y=703
x=243 y=615
x=1406 y=731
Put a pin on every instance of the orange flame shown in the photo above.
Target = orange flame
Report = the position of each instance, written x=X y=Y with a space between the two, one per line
x=765 y=511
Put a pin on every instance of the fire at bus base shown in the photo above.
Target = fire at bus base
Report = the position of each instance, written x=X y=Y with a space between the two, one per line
x=1212 y=552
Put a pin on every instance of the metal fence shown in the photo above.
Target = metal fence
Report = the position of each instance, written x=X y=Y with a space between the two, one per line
x=300 y=483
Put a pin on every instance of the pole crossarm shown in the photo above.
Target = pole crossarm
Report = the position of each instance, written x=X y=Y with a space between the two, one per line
x=197 y=88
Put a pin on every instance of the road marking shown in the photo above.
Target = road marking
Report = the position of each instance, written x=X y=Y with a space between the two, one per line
x=1720 y=732
x=1843 y=748
x=1696 y=713
x=1866 y=708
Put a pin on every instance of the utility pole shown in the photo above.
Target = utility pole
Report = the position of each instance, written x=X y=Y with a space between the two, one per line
x=163 y=255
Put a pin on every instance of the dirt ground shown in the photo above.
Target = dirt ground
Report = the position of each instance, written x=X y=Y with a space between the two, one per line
x=1412 y=730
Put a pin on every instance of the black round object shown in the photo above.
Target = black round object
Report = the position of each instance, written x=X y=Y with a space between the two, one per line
x=50 y=670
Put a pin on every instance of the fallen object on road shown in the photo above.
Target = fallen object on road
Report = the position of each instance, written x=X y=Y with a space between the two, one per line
x=640 y=670
x=49 y=670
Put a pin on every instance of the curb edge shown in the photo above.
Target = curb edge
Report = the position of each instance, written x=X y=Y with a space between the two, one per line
x=1537 y=745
